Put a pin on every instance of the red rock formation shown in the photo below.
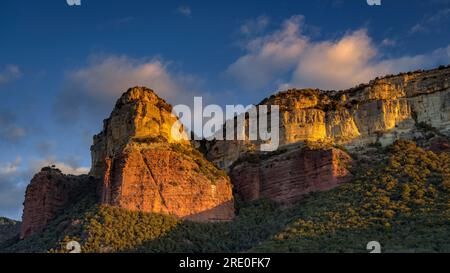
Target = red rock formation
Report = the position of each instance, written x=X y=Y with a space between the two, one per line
x=160 y=180
x=145 y=167
x=48 y=194
x=288 y=177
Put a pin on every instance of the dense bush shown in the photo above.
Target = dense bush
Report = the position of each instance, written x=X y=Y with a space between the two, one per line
x=110 y=229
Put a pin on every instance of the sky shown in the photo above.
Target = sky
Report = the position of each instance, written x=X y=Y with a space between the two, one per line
x=62 y=67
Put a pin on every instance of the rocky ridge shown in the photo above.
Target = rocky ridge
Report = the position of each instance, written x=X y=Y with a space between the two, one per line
x=385 y=109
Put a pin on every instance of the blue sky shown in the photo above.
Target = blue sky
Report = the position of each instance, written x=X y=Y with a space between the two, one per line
x=62 y=67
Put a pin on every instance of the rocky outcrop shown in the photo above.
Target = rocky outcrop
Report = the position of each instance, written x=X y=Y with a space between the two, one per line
x=146 y=167
x=138 y=114
x=164 y=179
x=49 y=194
x=286 y=178
x=140 y=163
x=381 y=111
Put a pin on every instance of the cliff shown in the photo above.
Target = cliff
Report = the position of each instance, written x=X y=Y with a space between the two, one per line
x=138 y=164
x=48 y=195
x=145 y=167
x=381 y=111
x=138 y=114
x=288 y=177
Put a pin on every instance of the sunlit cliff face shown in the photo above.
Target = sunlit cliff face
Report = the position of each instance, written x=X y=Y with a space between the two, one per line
x=380 y=112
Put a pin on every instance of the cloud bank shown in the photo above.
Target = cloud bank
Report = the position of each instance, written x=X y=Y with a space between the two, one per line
x=289 y=58
x=270 y=56
x=94 y=88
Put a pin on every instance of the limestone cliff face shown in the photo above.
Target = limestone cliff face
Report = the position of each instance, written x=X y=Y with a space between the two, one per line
x=288 y=177
x=381 y=111
x=145 y=167
x=139 y=113
x=49 y=194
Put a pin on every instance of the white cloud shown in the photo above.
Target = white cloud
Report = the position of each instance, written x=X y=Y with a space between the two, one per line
x=355 y=59
x=270 y=56
x=440 y=56
x=185 y=11
x=66 y=168
x=113 y=75
x=9 y=73
x=255 y=26
x=337 y=64
x=95 y=88
x=287 y=58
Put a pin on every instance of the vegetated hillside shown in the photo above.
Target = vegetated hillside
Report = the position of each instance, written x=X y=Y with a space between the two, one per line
x=8 y=229
x=402 y=202
x=399 y=197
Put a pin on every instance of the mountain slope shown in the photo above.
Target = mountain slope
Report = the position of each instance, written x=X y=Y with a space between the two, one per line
x=402 y=201
x=399 y=197
x=147 y=185
x=8 y=229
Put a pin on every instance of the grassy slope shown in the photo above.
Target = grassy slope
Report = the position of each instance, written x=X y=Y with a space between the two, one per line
x=402 y=201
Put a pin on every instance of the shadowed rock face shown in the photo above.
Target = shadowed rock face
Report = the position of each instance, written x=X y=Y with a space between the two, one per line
x=146 y=168
x=288 y=177
x=49 y=194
